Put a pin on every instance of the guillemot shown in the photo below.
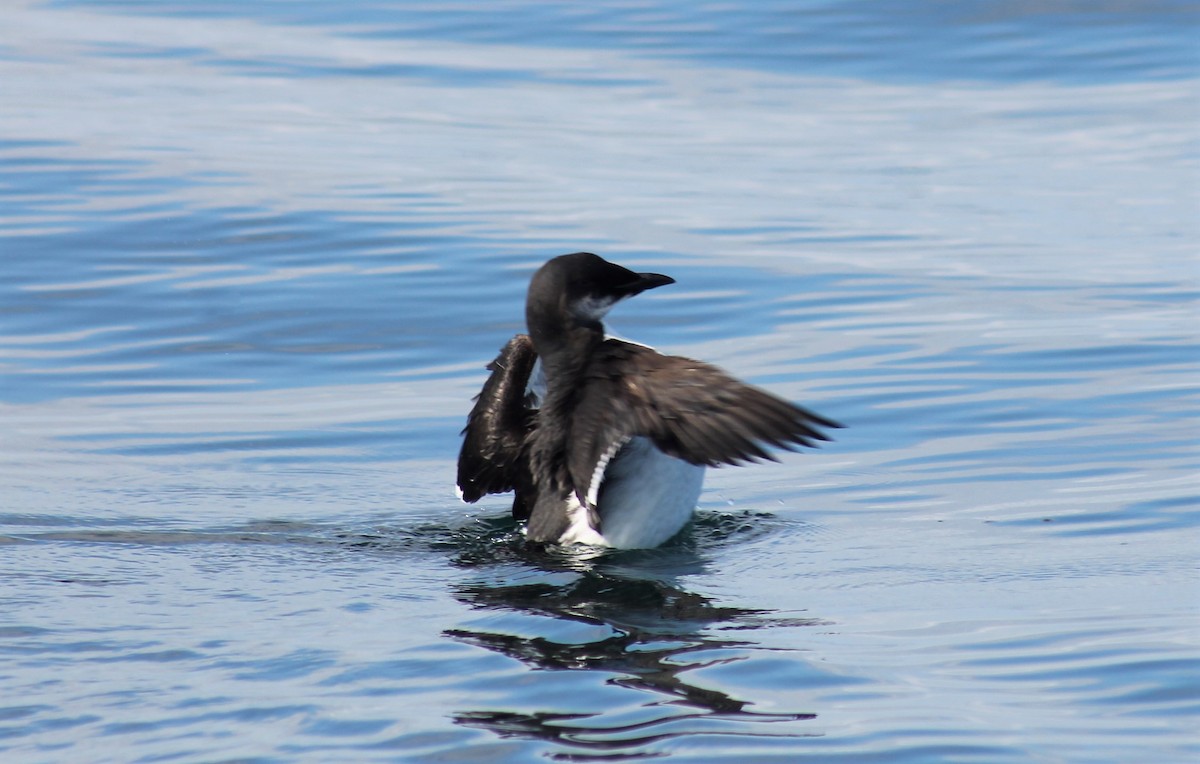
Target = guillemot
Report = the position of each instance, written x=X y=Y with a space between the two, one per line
x=604 y=441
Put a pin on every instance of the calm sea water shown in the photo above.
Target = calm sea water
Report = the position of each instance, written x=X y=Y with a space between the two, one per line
x=254 y=257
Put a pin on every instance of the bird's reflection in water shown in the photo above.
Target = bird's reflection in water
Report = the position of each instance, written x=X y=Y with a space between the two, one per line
x=658 y=632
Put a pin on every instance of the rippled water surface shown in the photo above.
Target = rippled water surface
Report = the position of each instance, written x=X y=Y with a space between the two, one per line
x=254 y=257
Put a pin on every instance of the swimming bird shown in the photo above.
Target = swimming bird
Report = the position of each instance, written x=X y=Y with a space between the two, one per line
x=605 y=441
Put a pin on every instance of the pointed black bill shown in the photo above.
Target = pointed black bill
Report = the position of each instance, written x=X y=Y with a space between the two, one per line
x=646 y=281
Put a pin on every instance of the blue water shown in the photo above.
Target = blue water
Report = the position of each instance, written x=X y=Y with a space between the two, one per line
x=254 y=257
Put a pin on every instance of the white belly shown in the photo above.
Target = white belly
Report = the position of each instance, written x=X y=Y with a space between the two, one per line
x=647 y=497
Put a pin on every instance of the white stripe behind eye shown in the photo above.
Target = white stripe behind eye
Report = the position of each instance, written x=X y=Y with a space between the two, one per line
x=593 y=494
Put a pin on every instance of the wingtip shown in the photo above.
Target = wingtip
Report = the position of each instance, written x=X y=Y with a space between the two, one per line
x=465 y=497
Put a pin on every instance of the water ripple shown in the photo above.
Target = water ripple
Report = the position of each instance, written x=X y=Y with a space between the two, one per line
x=255 y=257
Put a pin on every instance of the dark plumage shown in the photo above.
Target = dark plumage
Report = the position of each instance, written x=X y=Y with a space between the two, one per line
x=498 y=424
x=612 y=451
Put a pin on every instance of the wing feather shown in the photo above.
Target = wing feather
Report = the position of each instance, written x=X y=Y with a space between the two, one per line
x=490 y=460
x=690 y=410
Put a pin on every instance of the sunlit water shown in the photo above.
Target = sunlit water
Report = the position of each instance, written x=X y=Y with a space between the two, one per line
x=254 y=257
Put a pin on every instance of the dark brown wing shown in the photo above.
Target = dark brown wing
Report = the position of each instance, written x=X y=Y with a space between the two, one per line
x=689 y=409
x=490 y=460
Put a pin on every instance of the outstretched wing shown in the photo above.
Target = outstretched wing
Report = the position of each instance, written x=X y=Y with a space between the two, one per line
x=689 y=409
x=490 y=459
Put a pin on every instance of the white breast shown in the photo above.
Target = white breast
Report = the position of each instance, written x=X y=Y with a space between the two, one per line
x=535 y=388
x=647 y=496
